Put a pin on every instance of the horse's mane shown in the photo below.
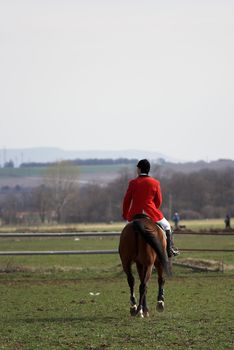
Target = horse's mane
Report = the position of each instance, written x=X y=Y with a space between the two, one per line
x=148 y=231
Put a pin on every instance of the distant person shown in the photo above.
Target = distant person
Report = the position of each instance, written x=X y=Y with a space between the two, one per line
x=144 y=196
x=176 y=220
x=227 y=221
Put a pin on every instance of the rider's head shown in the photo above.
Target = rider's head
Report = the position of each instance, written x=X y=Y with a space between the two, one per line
x=144 y=166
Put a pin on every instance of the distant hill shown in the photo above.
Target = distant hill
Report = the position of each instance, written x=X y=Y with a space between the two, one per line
x=49 y=154
x=189 y=167
x=105 y=173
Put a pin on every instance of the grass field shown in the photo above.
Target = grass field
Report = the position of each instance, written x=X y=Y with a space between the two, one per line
x=83 y=169
x=195 y=225
x=51 y=302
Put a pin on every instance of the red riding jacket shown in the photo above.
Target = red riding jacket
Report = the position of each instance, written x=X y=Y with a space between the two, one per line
x=143 y=196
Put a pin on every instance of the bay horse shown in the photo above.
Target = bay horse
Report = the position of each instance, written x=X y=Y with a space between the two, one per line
x=144 y=243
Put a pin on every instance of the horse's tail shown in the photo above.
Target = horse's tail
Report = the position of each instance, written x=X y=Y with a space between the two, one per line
x=150 y=238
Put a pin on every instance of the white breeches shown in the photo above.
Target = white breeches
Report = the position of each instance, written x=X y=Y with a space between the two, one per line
x=165 y=224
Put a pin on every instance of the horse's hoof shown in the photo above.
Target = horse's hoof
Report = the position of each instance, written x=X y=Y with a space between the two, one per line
x=146 y=314
x=140 y=314
x=133 y=310
x=160 y=306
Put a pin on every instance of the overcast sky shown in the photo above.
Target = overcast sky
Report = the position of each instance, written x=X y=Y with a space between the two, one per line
x=111 y=75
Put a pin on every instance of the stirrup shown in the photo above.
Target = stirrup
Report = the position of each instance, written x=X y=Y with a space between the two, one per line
x=174 y=252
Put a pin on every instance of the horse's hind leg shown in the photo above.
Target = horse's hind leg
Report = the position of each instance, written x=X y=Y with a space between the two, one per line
x=131 y=283
x=161 y=281
x=144 y=274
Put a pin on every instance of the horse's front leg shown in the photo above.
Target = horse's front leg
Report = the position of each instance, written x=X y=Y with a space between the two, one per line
x=161 y=282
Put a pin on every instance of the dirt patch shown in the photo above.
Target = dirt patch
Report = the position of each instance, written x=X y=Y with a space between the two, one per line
x=204 y=265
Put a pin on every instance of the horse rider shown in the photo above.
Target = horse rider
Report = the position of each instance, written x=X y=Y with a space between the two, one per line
x=144 y=196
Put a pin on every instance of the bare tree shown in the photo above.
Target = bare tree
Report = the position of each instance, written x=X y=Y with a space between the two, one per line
x=62 y=181
x=10 y=207
x=42 y=201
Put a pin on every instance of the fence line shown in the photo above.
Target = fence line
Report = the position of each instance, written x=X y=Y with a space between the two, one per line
x=59 y=252
x=103 y=234
x=93 y=234
x=92 y=252
x=58 y=234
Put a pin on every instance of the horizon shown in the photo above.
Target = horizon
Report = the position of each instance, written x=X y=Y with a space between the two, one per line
x=14 y=154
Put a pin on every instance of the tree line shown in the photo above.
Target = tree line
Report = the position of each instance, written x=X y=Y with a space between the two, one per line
x=89 y=161
x=202 y=194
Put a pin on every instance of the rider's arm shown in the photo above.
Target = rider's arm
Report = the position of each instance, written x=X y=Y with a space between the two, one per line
x=127 y=201
x=158 y=196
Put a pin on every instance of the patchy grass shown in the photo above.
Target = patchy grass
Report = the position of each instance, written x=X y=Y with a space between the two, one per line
x=51 y=302
x=40 y=312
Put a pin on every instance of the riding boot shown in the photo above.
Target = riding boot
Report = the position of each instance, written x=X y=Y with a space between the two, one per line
x=171 y=250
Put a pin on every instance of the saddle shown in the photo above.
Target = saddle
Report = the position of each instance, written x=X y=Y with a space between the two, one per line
x=141 y=216
x=144 y=216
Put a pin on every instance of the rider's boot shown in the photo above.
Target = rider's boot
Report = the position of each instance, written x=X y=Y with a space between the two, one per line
x=171 y=250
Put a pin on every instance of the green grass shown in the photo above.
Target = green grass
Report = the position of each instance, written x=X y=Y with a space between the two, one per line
x=195 y=225
x=46 y=302
x=21 y=172
x=60 y=313
x=83 y=227
x=101 y=243
x=205 y=224
x=83 y=169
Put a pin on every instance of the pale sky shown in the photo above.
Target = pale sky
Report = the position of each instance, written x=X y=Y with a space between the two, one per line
x=156 y=75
